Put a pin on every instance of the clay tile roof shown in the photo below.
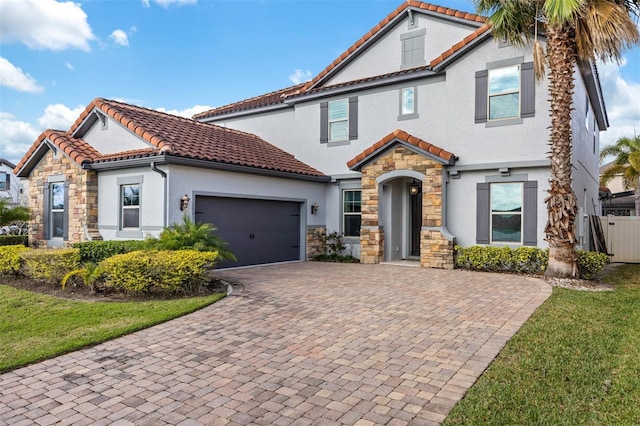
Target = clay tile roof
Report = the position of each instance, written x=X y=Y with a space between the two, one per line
x=400 y=9
x=456 y=47
x=177 y=136
x=272 y=98
x=400 y=135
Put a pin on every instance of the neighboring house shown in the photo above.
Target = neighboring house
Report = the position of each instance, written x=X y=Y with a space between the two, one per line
x=428 y=96
x=9 y=184
x=617 y=200
x=424 y=134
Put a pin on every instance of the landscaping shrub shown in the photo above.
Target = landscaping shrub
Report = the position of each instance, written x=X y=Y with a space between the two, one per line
x=591 y=263
x=97 y=251
x=149 y=271
x=527 y=260
x=333 y=250
x=11 y=240
x=49 y=265
x=10 y=260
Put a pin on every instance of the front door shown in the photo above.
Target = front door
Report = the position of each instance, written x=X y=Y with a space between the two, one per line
x=415 y=219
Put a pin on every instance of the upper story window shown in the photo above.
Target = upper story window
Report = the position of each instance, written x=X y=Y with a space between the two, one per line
x=5 y=181
x=413 y=48
x=504 y=92
x=339 y=120
x=130 y=204
x=408 y=103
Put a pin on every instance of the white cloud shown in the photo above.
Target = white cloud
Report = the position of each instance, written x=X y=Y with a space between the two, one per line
x=70 y=66
x=120 y=37
x=167 y=3
x=300 y=76
x=59 y=116
x=187 y=112
x=15 y=137
x=621 y=100
x=45 y=24
x=14 y=78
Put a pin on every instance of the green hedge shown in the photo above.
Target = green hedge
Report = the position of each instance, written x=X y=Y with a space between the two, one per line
x=49 y=265
x=97 y=251
x=10 y=259
x=528 y=260
x=164 y=271
x=12 y=240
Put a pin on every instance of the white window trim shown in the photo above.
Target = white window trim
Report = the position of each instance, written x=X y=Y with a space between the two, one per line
x=345 y=214
x=330 y=121
x=3 y=181
x=521 y=213
x=414 y=114
x=53 y=210
x=123 y=207
x=489 y=95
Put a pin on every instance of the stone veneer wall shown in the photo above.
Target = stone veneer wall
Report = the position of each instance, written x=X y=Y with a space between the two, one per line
x=83 y=199
x=315 y=241
x=436 y=251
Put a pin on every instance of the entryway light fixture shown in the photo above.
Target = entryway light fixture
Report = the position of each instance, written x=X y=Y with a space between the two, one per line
x=184 y=202
x=414 y=188
x=314 y=208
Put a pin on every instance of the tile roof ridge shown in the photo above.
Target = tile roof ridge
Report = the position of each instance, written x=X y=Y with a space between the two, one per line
x=212 y=111
x=460 y=45
x=400 y=9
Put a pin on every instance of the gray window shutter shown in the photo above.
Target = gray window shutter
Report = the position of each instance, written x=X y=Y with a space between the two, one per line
x=46 y=214
x=530 y=213
x=528 y=87
x=481 y=96
x=482 y=213
x=65 y=214
x=8 y=180
x=353 y=118
x=324 y=122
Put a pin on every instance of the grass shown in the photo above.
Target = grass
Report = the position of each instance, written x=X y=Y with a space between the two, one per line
x=34 y=327
x=575 y=361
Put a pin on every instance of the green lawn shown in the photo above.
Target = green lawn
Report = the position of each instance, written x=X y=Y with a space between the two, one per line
x=34 y=327
x=575 y=361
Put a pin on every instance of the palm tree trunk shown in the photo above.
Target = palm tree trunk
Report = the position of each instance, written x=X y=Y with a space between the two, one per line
x=561 y=202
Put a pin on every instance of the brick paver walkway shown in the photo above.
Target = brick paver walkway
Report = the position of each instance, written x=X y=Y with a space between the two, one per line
x=303 y=343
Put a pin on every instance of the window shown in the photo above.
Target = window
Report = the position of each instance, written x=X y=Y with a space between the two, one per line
x=57 y=210
x=5 y=181
x=352 y=203
x=413 y=48
x=339 y=120
x=408 y=103
x=586 y=114
x=130 y=202
x=506 y=212
x=504 y=93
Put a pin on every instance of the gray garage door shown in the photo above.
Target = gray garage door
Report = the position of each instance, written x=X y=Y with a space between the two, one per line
x=258 y=231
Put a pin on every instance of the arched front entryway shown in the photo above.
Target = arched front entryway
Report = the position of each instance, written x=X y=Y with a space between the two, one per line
x=396 y=224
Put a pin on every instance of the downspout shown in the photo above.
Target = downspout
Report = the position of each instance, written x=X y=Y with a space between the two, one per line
x=164 y=198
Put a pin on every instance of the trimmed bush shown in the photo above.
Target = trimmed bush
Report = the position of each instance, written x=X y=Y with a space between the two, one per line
x=524 y=260
x=164 y=271
x=12 y=240
x=10 y=260
x=591 y=263
x=97 y=251
x=49 y=265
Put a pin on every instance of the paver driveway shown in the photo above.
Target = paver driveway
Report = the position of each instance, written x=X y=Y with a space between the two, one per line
x=303 y=343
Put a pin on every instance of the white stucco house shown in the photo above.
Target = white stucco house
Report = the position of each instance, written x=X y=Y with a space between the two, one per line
x=425 y=133
x=9 y=183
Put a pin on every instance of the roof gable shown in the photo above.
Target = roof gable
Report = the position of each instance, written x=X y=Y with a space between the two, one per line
x=415 y=144
x=167 y=135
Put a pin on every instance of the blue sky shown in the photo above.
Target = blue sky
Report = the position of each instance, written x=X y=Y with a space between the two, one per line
x=186 y=56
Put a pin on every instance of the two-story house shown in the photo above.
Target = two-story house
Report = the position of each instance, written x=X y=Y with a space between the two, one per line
x=425 y=133
x=9 y=184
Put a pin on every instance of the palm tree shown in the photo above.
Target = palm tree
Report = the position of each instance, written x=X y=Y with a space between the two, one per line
x=577 y=32
x=626 y=164
x=9 y=214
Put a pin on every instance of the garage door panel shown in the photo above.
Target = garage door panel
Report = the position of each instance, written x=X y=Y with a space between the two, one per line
x=257 y=231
